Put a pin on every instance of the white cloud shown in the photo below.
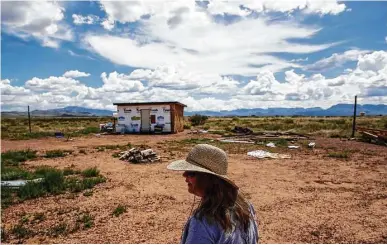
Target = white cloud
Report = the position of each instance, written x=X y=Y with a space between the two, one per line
x=336 y=60
x=75 y=73
x=207 y=46
x=115 y=82
x=207 y=91
x=80 y=19
x=38 y=19
x=373 y=62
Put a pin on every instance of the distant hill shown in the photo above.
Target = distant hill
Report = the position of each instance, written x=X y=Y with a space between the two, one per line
x=69 y=111
x=336 y=110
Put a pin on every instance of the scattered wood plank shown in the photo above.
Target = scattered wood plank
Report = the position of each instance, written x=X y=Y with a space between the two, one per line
x=135 y=155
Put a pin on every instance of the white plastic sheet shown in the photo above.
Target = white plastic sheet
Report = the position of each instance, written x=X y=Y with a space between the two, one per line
x=266 y=154
x=271 y=144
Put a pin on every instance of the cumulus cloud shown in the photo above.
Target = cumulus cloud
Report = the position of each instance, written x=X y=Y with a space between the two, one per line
x=88 y=20
x=75 y=73
x=36 y=19
x=115 y=82
x=201 y=91
x=336 y=60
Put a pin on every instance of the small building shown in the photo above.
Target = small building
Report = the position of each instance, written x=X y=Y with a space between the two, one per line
x=150 y=117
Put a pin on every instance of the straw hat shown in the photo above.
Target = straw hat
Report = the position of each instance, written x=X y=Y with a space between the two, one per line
x=206 y=159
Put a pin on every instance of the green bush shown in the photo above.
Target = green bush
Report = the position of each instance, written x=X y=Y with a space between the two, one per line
x=120 y=209
x=55 y=153
x=69 y=171
x=198 y=119
x=16 y=157
x=343 y=154
x=87 y=220
x=57 y=230
x=54 y=181
x=14 y=173
x=31 y=190
x=20 y=231
x=90 y=172
x=89 y=183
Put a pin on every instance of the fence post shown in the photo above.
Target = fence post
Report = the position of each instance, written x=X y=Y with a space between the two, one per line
x=29 y=118
x=354 y=118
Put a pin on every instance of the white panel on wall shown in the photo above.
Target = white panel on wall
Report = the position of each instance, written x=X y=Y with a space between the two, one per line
x=130 y=116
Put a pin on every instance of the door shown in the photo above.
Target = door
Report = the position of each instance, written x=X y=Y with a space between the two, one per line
x=145 y=121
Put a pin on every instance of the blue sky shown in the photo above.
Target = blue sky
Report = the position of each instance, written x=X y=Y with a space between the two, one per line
x=215 y=55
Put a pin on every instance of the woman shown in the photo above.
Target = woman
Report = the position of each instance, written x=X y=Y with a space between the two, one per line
x=223 y=215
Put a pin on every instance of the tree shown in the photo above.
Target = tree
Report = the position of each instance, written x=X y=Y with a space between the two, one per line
x=198 y=119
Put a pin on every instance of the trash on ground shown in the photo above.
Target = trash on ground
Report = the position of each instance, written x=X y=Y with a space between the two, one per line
x=266 y=154
x=373 y=135
x=139 y=156
x=237 y=141
x=242 y=130
x=293 y=146
x=59 y=135
x=199 y=131
x=18 y=183
x=312 y=144
x=271 y=144
x=106 y=127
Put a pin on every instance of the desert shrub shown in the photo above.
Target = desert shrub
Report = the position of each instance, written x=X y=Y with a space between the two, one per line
x=14 y=173
x=342 y=155
x=87 y=220
x=88 y=193
x=70 y=171
x=16 y=157
x=57 y=230
x=187 y=126
x=31 y=190
x=20 y=231
x=198 y=119
x=54 y=181
x=74 y=185
x=120 y=209
x=90 y=172
x=88 y=130
x=89 y=183
x=55 y=153
x=288 y=121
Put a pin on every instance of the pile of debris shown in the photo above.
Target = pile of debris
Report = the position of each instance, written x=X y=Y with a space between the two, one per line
x=373 y=135
x=242 y=130
x=135 y=155
x=254 y=138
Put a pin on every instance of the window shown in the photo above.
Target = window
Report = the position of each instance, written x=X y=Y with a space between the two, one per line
x=153 y=119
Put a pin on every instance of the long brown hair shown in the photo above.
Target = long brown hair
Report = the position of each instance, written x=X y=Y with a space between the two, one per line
x=220 y=202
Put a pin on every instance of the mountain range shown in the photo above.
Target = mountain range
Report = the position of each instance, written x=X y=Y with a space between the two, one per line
x=336 y=110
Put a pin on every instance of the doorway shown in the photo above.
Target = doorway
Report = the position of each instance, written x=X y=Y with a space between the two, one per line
x=145 y=120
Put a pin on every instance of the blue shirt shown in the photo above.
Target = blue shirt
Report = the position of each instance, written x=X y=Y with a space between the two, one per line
x=201 y=232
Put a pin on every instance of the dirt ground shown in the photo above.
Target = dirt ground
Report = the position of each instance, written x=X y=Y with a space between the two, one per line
x=310 y=198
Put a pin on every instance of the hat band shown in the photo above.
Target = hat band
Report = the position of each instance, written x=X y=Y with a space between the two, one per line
x=190 y=160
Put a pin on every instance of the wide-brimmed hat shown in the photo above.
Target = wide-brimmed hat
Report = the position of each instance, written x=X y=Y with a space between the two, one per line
x=206 y=159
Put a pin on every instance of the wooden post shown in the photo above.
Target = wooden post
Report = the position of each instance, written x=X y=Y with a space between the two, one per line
x=354 y=118
x=29 y=118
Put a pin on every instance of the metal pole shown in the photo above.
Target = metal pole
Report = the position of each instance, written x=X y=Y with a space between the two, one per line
x=354 y=118
x=29 y=118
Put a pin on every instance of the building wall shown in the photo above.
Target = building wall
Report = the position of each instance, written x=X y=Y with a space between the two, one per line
x=178 y=118
x=129 y=117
